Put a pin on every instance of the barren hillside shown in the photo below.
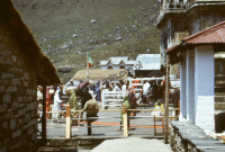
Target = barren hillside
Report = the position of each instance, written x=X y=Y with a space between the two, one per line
x=66 y=29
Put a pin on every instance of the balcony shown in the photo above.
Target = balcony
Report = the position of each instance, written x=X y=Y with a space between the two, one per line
x=171 y=6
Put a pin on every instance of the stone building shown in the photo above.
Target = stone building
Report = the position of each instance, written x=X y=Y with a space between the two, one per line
x=22 y=67
x=192 y=34
x=179 y=19
x=117 y=62
x=197 y=70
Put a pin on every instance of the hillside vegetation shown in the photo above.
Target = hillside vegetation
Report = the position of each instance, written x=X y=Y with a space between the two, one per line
x=66 y=29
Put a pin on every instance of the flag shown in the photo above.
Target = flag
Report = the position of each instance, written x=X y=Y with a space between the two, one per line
x=89 y=60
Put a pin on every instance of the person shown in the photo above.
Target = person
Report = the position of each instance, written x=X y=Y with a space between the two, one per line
x=159 y=92
x=127 y=104
x=154 y=88
x=146 y=87
x=40 y=93
x=48 y=102
x=110 y=87
x=91 y=87
x=91 y=106
x=73 y=104
x=124 y=88
x=107 y=83
x=117 y=87
x=176 y=99
x=132 y=100
x=97 y=91
x=164 y=89
x=57 y=103
x=135 y=82
x=40 y=99
x=127 y=85
x=157 y=112
x=85 y=96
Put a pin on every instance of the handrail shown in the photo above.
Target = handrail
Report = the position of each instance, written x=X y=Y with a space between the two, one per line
x=111 y=110
x=124 y=116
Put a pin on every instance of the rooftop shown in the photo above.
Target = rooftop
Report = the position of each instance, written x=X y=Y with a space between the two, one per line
x=148 y=62
x=212 y=35
x=116 y=60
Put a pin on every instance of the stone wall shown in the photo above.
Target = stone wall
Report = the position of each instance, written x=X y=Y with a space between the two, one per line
x=18 y=87
x=187 y=137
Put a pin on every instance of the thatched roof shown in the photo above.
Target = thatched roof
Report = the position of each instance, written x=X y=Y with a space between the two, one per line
x=11 y=21
x=99 y=74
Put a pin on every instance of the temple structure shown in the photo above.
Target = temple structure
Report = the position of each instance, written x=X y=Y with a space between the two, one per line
x=117 y=62
x=192 y=34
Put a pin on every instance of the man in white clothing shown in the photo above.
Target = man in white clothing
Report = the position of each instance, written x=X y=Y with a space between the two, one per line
x=40 y=93
x=146 y=87
x=57 y=103
x=124 y=89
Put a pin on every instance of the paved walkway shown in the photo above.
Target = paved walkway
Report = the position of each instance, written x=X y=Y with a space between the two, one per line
x=132 y=144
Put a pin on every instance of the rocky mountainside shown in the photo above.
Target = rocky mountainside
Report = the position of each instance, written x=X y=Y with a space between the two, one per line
x=67 y=29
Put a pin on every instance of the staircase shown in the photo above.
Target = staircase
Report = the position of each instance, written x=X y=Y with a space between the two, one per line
x=219 y=85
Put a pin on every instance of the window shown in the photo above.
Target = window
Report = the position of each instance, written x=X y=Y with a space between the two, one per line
x=122 y=67
x=110 y=67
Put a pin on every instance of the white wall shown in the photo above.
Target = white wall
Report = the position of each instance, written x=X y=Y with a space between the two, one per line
x=183 y=79
x=190 y=83
x=204 y=87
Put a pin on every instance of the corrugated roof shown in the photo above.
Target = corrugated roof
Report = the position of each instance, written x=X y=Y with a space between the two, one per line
x=212 y=35
x=148 y=62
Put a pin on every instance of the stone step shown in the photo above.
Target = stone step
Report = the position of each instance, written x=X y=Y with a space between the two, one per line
x=219 y=105
x=61 y=149
x=219 y=81
x=219 y=98
x=219 y=77
x=220 y=90
x=219 y=94
x=220 y=84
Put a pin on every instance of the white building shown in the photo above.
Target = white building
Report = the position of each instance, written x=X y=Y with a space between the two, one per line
x=199 y=78
x=117 y=62
x=146 y=63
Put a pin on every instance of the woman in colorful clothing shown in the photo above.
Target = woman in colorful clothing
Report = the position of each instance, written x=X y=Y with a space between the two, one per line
x=127 y=103
x=48 y=102
x=73 y=104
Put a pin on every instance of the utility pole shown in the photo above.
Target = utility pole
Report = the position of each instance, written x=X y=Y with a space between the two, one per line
x=167 y=98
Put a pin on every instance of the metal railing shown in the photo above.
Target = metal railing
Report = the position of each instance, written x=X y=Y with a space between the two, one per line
x=125 y=118
x=112 y=98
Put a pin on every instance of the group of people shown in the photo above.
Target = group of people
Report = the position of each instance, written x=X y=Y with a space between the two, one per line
x=54 y=100
x=153 y=90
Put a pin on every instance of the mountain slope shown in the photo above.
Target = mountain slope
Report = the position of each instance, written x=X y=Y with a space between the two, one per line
x=66 y=29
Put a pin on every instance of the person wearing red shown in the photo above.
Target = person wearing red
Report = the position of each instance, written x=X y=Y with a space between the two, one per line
x=136 y=81
x=48 y=102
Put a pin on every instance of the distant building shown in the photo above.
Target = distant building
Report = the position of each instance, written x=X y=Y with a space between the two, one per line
x=117 y=62
x=146 y=63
